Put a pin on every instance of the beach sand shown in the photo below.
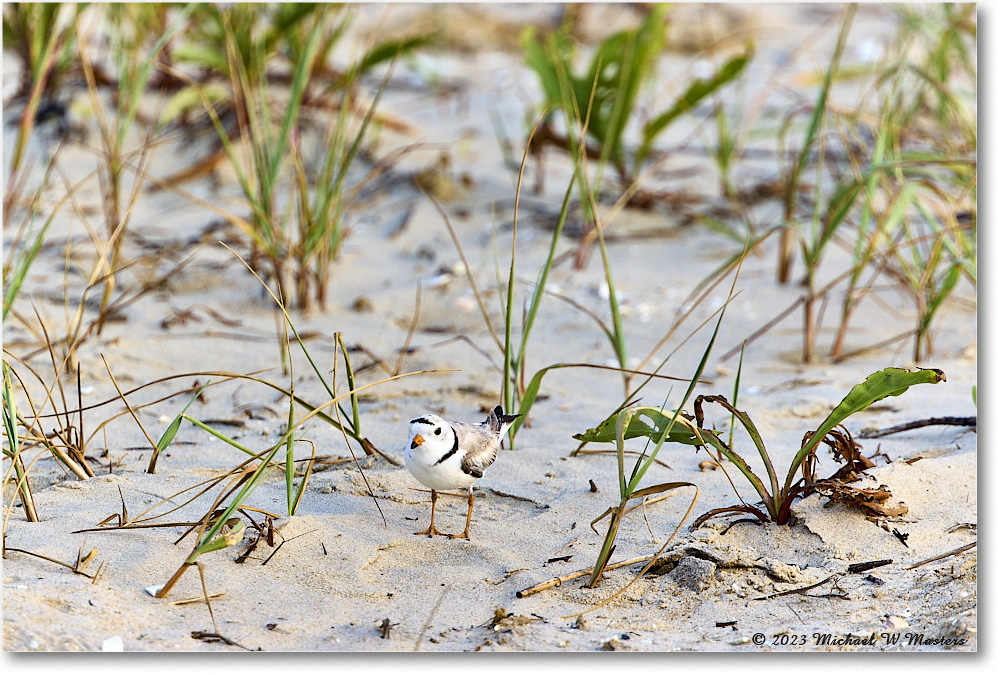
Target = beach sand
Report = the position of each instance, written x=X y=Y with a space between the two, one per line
x=346 y=572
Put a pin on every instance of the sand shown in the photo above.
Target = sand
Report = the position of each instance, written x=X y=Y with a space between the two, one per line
x=346 y=573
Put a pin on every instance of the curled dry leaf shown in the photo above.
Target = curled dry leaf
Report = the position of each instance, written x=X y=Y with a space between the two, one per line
x=873 y=502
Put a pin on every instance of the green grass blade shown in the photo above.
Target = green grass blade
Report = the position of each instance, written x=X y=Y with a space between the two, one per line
x=290 y=457
x=751 y=430
x=945 y=286
x=686 y=102
x=249 y=486
x=355 y=409
x=305 y=481
x=640 y=469
x=218 y=434
x=168 y=435
x=300 y=81
x=543 y=273
x=137 y=84
x=819 y=110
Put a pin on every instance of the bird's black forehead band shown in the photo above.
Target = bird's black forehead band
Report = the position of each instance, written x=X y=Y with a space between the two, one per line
x=422 y=420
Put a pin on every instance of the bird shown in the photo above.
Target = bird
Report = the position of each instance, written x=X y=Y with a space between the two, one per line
x=451 y=455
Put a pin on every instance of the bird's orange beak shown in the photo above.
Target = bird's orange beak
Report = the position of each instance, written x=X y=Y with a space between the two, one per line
x=417 y=440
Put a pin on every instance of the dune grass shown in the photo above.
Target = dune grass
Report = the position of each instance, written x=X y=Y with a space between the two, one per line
x=296 y=221
x=904 y=194
x=622 y=66
x=42 y=36
x=904 y=201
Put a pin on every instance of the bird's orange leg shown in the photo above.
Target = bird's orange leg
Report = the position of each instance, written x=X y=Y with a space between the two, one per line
x=468 y=519
x=431 y=531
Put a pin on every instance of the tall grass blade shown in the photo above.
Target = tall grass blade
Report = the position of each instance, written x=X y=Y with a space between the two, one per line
x=687 y=101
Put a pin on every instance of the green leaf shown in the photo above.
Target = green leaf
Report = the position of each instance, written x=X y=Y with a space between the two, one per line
x=943 y=290
x=542 y=61
x=606 y=431
x=678 y=434
x=698 y=90
x=387 y=51
x=9 y=416
x=751 y=430
x=168 y=435
x=877 y=386
x=230 y=534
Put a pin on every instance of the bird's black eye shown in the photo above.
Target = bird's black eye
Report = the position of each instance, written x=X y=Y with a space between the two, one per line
x=437 y=432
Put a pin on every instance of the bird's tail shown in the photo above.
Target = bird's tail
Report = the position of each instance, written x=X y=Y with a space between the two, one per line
x=498 y=421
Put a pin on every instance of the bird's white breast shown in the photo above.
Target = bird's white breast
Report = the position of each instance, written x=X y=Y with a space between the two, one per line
x=448 y=475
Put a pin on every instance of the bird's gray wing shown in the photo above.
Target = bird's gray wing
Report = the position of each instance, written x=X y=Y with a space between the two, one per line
x=480 y=447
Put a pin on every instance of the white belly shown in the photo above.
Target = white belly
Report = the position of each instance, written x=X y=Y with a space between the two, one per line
x=447 y=475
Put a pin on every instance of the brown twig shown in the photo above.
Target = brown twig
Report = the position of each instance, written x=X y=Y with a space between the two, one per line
x=930 y=421
x=793 y=591
x=558 y=581
x=960 y=549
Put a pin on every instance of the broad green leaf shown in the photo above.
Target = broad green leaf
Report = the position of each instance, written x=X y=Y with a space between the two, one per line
x=389 y=50
x=605 y=432
x=877 y=386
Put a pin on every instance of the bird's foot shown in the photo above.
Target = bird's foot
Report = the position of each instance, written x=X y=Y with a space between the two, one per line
x=431 y=531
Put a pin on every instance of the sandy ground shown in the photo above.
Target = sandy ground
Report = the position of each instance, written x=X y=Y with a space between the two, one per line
x=347 y=573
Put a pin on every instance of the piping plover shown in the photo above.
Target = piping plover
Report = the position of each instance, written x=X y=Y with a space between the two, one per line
x=451 y=455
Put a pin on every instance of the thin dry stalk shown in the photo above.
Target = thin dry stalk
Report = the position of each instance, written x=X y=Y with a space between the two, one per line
x=468 y=270
x=960 y=549
x=79 y=567
x=651 y=562
x=357 y=464
x=430 y=617
x=132 y=412
x=409 y=333
x=559 y=581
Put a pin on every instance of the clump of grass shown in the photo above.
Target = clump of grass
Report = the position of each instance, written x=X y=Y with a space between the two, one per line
x=42 y=37
x=622 y=65
x=306 y=227
x=776 y=497
x=253 y=472
x=64 y=439
x=909 y=191
x=917 y=188
x=134 y=63
x=518 y=392
x=27 y=241
x=220 y=527
x=12 y=450
x=625 y=423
